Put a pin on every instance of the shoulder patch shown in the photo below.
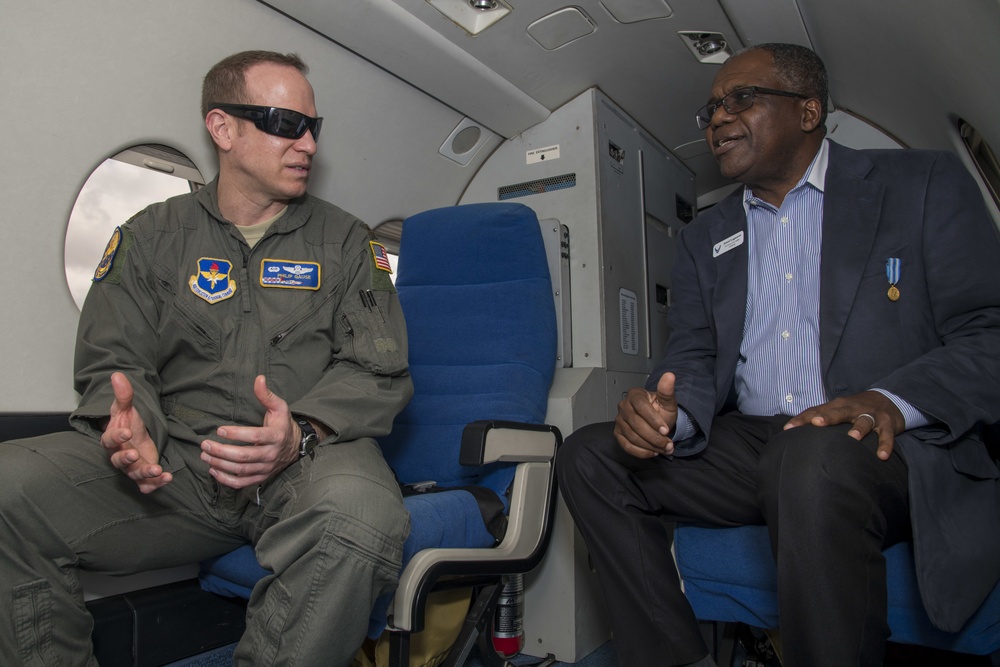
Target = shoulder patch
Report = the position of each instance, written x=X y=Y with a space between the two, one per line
x=118 y=244
x=381 y=256
x=381 y=270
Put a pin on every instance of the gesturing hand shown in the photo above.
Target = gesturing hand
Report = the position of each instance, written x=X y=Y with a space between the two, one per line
x=645 y=419
x=270 y=448
x=127 y=440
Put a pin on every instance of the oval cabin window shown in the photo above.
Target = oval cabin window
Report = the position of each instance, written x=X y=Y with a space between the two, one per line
x=120 y=187
x=984 y=157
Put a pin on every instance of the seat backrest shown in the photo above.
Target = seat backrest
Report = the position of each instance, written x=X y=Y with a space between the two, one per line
x=474 y=285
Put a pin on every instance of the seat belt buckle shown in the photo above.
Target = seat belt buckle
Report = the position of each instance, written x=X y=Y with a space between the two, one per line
x=421 y=487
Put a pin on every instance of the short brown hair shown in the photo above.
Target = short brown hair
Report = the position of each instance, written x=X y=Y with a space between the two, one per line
x=226 y=81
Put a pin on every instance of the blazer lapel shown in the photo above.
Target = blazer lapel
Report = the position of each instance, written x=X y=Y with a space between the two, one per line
x=730 y=298
x=851 y=208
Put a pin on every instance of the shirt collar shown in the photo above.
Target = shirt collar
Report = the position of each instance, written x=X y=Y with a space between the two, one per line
x=815 y=175
x=817 y=172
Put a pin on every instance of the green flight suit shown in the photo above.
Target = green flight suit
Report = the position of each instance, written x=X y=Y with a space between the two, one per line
x=191 y=314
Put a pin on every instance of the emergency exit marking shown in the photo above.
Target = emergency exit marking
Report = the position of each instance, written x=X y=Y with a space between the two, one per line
x=543 y=154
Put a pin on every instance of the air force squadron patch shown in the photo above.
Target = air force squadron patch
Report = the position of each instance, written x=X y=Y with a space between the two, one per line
x=212 y=282
x=108 y=259
x=289 y=274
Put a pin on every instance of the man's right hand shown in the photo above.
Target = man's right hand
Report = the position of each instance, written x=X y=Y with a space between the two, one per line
x=645 y=420
x=126 y=439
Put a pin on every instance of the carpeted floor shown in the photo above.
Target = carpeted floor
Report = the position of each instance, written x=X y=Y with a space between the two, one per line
x=897 y=656
x=602 y=657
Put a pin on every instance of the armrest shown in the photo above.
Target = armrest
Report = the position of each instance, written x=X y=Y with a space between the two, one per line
x=489 y=441
x=532 y=503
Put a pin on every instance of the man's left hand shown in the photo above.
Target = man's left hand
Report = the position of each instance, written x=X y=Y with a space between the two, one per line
x=269 y=450
x=866 y=412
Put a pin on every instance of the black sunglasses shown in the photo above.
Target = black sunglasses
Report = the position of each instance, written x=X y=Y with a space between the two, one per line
x=274 y=120
x=739 y=100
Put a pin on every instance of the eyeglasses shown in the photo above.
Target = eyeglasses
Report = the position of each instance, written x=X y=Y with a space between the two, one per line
x=274 y=120
x=739 y=100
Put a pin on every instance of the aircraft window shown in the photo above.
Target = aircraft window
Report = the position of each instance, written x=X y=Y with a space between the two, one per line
x=119 y=188
x=984 y=157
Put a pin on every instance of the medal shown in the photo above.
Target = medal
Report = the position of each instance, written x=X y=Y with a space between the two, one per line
x=892 y=273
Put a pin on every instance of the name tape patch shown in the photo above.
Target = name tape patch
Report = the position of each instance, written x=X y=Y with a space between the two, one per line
x=290 y=274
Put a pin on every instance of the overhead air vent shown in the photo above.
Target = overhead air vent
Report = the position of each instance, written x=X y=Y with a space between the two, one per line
x=707 y=47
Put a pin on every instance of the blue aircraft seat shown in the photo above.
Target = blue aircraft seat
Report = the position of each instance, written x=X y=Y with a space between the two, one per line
x=729 y=576
x=474 y=286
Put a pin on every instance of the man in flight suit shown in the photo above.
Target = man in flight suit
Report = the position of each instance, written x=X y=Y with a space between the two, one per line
x=833 y=356
x=239 y=350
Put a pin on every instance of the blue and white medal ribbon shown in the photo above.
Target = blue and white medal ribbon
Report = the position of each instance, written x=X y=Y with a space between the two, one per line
x=892 y=273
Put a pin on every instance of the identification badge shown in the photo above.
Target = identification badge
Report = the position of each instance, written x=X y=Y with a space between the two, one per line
x=212 y=282
x=722 y=247
x=289 y=274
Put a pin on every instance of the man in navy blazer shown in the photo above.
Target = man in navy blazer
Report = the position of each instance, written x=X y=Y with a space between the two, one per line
x=834 y=355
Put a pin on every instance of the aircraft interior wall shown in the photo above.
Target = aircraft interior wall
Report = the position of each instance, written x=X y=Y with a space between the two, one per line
x=84 y=80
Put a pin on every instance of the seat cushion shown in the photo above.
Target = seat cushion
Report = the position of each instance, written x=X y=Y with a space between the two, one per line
x=729 y=575
x=449 y=519
x=474 y=286
x=233 y=574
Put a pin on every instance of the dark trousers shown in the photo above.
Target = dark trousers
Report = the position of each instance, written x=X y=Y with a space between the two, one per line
x=830 y=504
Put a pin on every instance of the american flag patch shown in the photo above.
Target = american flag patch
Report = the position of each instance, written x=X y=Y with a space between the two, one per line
x=381 y=256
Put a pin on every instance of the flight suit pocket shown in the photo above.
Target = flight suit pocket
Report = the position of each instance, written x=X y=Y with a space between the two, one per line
x=33 y=624
x=369 y=338
x=266 y=623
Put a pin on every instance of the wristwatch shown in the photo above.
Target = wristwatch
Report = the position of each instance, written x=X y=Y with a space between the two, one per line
x=309 y=437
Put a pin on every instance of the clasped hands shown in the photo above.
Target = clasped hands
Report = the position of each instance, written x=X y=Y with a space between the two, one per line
x=645 y=419
x=270 y=448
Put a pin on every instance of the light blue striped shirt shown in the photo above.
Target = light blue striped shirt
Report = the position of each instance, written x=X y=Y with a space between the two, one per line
x=779 y=370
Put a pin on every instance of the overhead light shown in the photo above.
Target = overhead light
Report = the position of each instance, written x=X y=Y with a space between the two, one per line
x=473 y=16
x=707 y=47
x=710 y=46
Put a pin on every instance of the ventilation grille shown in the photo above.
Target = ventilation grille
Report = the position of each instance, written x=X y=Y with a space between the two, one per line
x=538 y=187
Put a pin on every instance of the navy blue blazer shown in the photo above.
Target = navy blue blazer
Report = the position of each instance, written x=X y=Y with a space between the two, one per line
x=937 y=347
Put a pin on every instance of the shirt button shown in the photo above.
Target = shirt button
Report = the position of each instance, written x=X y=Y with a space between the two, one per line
x=784 y=220
x=785 y=334
x=788 y=398
x=788 y=277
